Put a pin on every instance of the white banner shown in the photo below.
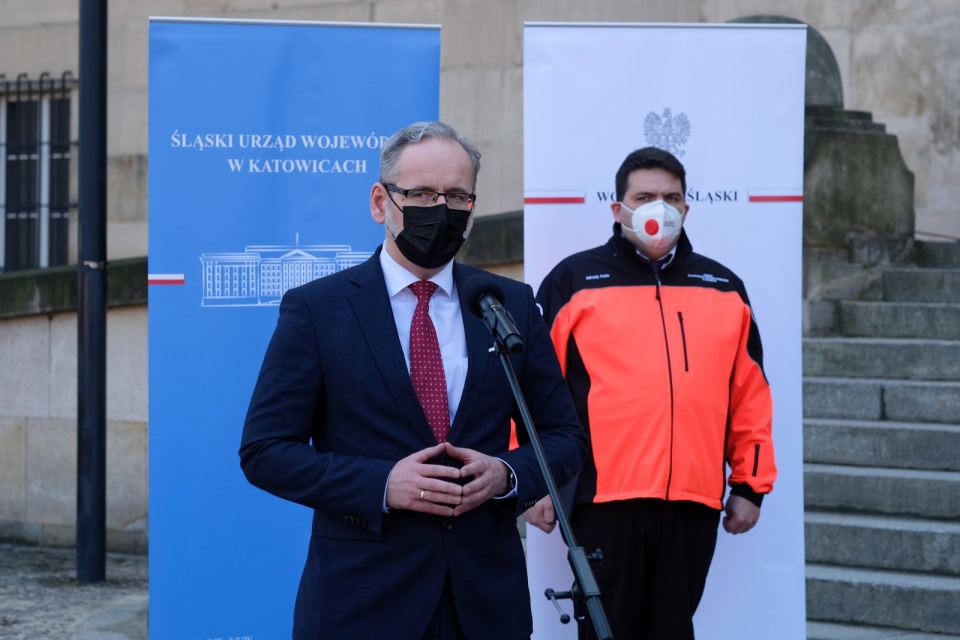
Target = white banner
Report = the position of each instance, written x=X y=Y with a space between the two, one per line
x=728 y=101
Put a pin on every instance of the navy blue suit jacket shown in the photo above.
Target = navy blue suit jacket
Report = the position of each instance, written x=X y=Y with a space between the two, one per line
x=334 y=410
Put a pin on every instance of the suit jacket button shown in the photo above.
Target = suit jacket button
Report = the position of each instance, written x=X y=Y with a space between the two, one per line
x=447 y=525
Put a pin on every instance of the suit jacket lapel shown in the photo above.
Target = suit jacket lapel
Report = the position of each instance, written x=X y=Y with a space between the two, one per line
x=479 y=341
x=371 y=305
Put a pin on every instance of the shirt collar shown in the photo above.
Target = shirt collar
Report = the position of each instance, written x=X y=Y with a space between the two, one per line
x=663 y=260
x=398 y=278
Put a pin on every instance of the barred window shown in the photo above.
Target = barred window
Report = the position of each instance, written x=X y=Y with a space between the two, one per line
x=36 y=157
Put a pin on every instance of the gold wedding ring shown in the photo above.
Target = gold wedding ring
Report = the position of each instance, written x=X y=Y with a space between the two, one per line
x=421 y=494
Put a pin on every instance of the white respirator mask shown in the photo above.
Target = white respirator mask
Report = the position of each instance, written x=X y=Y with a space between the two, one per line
x=656 y=224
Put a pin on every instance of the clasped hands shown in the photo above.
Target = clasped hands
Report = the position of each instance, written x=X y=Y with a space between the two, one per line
x=419 y=485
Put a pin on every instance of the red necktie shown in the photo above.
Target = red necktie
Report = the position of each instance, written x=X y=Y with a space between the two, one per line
x=426 y=366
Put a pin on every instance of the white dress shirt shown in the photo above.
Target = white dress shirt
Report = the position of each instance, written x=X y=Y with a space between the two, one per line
x=445 y=314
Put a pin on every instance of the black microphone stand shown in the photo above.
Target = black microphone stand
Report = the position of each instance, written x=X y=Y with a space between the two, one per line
x=585 y=593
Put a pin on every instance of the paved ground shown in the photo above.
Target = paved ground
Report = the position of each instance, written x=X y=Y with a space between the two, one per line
x=40 y=597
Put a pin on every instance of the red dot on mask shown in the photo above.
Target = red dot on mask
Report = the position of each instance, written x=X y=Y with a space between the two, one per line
x=651 y=226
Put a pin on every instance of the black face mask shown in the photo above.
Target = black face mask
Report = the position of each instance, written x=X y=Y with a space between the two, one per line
x=431 y=236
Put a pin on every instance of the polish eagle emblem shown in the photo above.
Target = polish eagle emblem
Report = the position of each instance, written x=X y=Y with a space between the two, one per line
x=667 y=131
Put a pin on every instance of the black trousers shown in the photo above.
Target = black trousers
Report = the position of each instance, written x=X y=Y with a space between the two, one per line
x=445 y=624
x=656 y=555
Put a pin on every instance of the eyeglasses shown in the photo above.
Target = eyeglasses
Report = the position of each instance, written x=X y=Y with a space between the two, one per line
x=420 y=197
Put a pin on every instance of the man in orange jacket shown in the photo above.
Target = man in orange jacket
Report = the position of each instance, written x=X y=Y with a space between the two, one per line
x=663 y=358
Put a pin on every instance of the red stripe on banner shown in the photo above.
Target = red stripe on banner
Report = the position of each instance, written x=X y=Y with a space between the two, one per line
x=555 y=200
x=776 y=198
x=165 y=281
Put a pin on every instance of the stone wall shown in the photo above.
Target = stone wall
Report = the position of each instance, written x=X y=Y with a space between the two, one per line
x=38 y=407
x=898 y=59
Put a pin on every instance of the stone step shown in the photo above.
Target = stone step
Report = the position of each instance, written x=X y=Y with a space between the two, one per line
x=902 y=358
x=881 y=443
x=933 y=320
x=828 y=274
x=921 y=285
x=882 y=542
x=938 y=254
x=845 y=119
x=880 y=251
x=877 y=490
x=909 y=601
x=881 y=399
x=831 y=631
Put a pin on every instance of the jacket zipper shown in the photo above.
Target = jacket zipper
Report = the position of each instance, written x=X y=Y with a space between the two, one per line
x=683 y=339
x=756 y=458
x=666 y=344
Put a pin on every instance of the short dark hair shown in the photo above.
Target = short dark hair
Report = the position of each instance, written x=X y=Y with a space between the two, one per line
x=649 y=158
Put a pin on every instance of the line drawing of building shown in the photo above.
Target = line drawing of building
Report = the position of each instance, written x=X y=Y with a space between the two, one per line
x=261 y=274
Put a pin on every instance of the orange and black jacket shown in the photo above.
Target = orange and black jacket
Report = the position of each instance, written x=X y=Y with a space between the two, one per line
x=666 y=371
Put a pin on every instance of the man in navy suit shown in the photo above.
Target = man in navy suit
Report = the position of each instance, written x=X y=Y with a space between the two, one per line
x=414 y=510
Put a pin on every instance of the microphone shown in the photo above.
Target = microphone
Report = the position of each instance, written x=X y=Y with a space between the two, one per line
x=485 y=298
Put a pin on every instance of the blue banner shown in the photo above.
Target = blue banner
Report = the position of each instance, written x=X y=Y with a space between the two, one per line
x=264 y=141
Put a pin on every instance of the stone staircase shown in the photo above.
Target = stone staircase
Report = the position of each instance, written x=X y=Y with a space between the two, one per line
x=881 y=393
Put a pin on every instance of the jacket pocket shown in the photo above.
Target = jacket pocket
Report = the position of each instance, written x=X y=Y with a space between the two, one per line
x=683 y=339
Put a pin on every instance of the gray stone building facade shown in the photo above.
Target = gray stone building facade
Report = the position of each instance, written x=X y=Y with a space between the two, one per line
x=899 y=60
